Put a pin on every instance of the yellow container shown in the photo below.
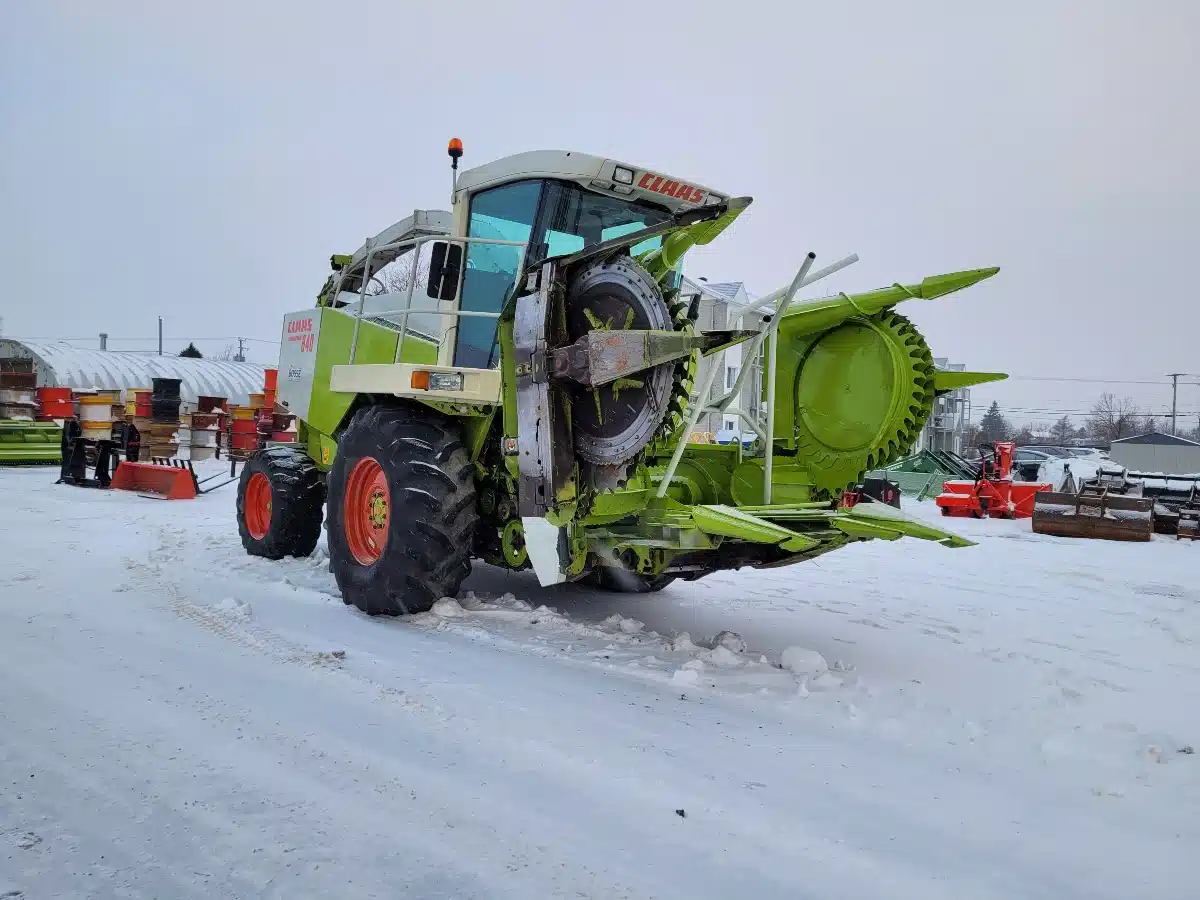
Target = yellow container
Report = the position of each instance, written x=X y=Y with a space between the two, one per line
x=95 y=417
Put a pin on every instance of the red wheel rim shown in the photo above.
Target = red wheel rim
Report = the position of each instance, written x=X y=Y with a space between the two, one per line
x=367 y=511
x=258 y=506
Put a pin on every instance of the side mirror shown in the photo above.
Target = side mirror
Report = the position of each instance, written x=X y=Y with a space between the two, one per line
x=445 y=268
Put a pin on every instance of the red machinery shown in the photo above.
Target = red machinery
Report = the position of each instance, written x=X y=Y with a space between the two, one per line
x=994 y=493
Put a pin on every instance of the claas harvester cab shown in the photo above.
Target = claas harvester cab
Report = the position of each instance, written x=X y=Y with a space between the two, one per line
x=525 y=394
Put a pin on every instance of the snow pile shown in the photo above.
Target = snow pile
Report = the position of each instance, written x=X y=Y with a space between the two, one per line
x=448 y=608
x=617 y=622
x=1054 y=470
x=730 y=641
x=803 y=662
x=231 y=606
x=528 y=742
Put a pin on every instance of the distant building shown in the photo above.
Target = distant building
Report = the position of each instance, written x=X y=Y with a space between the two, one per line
x=59 y=364
x=947 y=424
x=1157 y=452
x=719 y=306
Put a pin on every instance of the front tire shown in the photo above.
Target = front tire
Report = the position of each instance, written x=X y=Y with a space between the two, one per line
x=280 y=503
x=402 y=510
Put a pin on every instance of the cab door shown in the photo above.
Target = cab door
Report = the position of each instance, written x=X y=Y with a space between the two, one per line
x=504 y=213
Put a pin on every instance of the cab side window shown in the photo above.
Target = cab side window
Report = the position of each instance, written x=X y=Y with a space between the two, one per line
x=503 y=213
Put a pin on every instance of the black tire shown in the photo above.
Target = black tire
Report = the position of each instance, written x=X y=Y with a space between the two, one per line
x=297 y=502
x=431 y=517
x=621 y=581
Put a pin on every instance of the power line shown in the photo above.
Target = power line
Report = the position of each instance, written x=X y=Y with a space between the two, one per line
x=1081 y=380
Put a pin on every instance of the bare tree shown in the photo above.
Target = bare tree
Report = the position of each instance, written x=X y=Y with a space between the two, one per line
x=1112 y=418
x=398 y=274
x=228 y=352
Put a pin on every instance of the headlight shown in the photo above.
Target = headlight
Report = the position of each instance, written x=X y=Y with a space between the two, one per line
x=437 y=381
x=623 y=175
x=445 y=381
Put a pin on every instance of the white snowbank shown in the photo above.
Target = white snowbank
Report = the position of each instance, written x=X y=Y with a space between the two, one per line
x=802 y=661
x=448 y=608
x=519 y=742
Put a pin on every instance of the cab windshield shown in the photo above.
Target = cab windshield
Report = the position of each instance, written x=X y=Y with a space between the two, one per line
x=554 y=218
x=574 y=219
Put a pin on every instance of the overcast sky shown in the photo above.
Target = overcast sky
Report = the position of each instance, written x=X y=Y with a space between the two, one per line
x=202 y=161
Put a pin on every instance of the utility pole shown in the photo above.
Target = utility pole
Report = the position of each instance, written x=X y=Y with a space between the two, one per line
x=104 y=340
x=160 y=335
x=241 y=356
x=1174 y=376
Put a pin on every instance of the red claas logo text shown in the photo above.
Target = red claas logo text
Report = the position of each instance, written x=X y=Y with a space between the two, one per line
x=678 y=189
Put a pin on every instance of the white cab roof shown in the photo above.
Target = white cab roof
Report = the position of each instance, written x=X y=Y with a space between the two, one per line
x=593 y=172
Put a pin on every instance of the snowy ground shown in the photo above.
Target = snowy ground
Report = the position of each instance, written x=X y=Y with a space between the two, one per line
x=179 y=720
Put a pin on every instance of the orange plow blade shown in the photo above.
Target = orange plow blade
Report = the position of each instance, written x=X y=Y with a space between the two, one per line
x=164 y=482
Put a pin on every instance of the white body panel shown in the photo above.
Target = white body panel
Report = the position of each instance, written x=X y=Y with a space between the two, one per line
x=593 y=172
x=480 y=386
x=541 y=542
x=298 y=359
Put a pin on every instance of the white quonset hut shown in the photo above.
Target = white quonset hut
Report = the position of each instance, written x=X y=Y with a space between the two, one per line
x=60 y=365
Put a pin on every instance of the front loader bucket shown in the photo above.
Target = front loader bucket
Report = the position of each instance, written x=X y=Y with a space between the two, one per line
x=163 y=482
x=1094 y=514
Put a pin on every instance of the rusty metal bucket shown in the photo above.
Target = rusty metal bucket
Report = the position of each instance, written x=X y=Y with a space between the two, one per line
x=1094 y=512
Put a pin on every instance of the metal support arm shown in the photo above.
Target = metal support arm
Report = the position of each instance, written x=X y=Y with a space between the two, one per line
x=602 y=357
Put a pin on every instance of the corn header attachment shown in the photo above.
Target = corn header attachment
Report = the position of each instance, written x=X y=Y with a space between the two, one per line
x=27 y=443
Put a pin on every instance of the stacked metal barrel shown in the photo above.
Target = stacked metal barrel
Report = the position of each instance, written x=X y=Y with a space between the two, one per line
x=17 y=398
x=281 y=428
x=138 y=412
x=261 y=421
x=243 y=433
x=164 y=417
x=202 y=426
x=55 y=404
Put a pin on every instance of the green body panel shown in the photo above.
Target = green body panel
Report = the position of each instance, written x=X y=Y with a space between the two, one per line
x=790 y=481
x=950 y=381
x=26 y=443
x=728 y=521
x=855 y=381
x=667 y=258
x=376 y=344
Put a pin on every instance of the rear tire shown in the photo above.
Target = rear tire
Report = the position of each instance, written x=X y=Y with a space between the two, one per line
x=280 y=503
x=402 y=510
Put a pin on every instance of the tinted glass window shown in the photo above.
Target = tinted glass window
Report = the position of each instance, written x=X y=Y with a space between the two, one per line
x=504 y=213
x=574 y=219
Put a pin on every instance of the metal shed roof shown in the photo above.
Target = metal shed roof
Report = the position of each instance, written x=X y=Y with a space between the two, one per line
x=60 y=365
x=1157 y=437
